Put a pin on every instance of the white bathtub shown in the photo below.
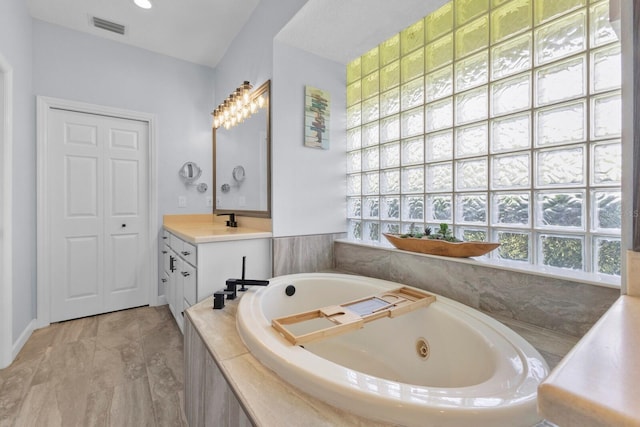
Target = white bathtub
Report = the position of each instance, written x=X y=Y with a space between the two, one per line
x=478 y=372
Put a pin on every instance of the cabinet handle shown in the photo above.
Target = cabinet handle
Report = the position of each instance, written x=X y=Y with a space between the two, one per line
x=186 y=274
x=185 y=253
x=164 y=252
x=163 y=280
x=164 y=237
x=172 y=267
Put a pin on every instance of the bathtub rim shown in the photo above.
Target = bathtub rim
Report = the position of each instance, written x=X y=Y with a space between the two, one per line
x=286 y=360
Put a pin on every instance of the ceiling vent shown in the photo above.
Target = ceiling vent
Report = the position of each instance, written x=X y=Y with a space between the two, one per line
x=108 y=25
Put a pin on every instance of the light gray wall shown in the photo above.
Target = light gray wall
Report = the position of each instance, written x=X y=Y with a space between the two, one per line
x=81 y=67
x=307 y=184
x=250 y=55
x=16 y=47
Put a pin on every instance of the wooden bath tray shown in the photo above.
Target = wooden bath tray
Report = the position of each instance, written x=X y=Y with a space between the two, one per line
x=352 y=315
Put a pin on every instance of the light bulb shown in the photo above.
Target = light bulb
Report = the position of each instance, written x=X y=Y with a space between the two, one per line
x=260 y=101
x=144 y=4
x=239 y=98
x=246 y=95
x=225 y=109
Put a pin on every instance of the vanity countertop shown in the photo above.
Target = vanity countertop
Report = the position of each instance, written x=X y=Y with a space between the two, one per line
x=208 y=228
x=598 y=382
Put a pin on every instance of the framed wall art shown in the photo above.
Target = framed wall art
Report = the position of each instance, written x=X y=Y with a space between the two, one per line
x=317 y=106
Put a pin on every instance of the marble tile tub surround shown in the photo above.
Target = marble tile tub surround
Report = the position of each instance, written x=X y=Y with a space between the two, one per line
x=559 y=305
x=598 y=382
x=303 y=254
x=117 y=369
x=633 y=273
x=266 y=398
x=283 y=405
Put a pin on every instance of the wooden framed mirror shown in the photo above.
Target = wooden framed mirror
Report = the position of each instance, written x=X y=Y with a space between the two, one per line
x=242 y=162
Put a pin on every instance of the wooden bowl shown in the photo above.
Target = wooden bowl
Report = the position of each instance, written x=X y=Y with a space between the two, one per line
x=441 y=247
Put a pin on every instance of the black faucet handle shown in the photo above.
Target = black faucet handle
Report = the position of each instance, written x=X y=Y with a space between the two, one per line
x=232 y=219
x=218 y=299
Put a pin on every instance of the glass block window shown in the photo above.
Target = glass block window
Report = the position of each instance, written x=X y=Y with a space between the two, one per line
x=501 y=119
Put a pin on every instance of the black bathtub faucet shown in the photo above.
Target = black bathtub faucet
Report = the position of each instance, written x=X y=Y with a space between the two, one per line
x=231 y=287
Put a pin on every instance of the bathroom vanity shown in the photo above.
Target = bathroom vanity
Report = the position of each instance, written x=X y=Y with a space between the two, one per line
x=199 y=253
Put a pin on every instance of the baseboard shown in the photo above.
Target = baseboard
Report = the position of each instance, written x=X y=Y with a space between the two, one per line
x=162 y=300
x=22 y=339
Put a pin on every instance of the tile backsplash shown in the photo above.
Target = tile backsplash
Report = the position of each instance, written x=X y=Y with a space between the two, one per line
x=560 y=305
x=565 y=306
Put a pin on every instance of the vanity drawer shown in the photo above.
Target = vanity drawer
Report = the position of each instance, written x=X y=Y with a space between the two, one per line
x=188 y=252
x=175 y=243
x=185 y=250
x=166 y=253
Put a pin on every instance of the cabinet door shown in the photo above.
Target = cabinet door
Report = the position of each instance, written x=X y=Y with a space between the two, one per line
x=178 y=293
x=171 y=283
x=189 y=283
x=164 y=282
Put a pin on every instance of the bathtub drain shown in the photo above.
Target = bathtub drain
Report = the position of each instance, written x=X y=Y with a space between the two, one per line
x=422 y=348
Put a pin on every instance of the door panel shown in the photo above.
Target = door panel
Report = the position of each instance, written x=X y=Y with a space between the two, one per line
x=81 y=192
x=125 y=213
x=124 y=247
x=83 y=264
x=98 y=199
x=81 y=133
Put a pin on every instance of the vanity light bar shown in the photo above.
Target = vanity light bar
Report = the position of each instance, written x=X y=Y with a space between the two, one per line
x=238 y=106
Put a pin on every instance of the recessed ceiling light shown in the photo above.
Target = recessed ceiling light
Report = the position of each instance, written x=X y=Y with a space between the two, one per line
x=145 y=4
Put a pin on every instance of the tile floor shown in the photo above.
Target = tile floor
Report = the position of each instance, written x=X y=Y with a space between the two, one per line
x=117 y=369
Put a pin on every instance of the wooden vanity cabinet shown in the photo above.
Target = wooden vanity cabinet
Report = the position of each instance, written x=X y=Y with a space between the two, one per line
x=191 y=272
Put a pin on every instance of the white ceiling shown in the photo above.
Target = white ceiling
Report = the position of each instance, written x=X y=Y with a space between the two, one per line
x=200 y=31
x=342 y=30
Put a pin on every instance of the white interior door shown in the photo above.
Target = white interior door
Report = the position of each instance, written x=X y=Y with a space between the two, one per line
x=98 y=199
